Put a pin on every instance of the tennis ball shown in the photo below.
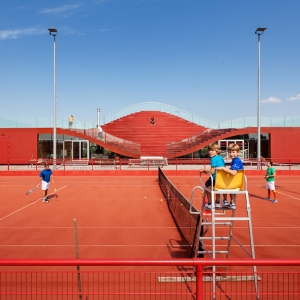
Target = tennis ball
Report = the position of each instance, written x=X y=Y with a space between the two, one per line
x=54 y=190
x=145 y=197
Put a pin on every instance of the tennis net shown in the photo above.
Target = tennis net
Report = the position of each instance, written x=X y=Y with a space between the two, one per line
x=179 y=208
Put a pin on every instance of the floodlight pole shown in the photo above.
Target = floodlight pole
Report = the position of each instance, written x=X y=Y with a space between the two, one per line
x=98 y=116
x=259 y=31
x=54 y=32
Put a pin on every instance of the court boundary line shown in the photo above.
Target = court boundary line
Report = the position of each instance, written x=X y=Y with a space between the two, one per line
x=135 y=245
x=88 y=227
x=14 y=212
x=281 y=193
x=96 y=245
x=124 y=227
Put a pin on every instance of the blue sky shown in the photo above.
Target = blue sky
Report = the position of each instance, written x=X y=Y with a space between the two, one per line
x=197 y=55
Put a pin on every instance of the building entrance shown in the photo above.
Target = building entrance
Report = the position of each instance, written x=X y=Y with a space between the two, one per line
x=76 y=149
x=244 y=150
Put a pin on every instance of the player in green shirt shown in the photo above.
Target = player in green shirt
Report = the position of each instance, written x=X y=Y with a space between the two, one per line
x=270 y=182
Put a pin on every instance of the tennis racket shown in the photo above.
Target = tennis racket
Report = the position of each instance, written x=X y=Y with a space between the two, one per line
x=30 y=191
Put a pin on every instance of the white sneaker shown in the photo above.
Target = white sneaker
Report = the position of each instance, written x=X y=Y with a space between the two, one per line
x=225 y=203
x=232 y=206
x=44 y=199
x=208 y=205
x=218 y=205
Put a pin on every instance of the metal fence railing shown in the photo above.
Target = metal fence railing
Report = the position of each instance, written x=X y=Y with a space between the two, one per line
x=121 y=144
x=176 y=164
x=187 y=143
x=149 y=279
x=22 y=122
x=46 y=122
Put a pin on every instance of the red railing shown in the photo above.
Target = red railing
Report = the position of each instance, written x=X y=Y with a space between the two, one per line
x=173 y=163
x=132 y=279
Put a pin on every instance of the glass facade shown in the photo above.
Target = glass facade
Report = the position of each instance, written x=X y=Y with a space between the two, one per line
x=251 y=141
x=66 y=147
x=70 y=147
x=247 y=143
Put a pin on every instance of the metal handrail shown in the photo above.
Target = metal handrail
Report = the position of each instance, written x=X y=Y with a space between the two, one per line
x=283 y=121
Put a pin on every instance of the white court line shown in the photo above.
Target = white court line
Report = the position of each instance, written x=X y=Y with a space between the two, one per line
x=163 y=245
x=29 y=204
x=257 y=245
x=126 y=227
x=99 y=245
x=261 y=227
x=93 y=227
x=282 y=193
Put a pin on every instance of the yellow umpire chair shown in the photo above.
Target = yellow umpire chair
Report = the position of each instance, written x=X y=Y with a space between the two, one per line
x=214 y=232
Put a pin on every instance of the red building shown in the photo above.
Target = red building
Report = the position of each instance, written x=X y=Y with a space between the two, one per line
x=134 y=136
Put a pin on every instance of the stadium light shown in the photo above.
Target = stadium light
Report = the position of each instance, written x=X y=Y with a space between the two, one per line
x=259 y=31
x=53 y=32
x=98 y=116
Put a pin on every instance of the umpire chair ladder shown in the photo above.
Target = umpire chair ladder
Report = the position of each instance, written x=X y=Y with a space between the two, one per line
x=210 y=233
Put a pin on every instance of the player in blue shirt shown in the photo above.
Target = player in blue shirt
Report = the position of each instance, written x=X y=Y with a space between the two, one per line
x=216 y=161
x=46 y=177
x=236 y=164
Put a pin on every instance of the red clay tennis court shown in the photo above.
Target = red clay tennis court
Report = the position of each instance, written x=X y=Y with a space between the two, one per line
x=127 y=217
x=116 y=217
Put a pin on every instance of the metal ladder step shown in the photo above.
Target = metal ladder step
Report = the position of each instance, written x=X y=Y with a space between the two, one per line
x=217 y=224
x=208 y=238
x=210 y=252
x=231 y=219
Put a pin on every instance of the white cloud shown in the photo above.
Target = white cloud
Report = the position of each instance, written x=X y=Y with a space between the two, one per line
x=294 y=98
x=271 y=100
x=65 y=9
x=16 y=33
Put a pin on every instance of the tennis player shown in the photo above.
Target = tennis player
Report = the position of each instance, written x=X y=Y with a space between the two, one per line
x=46 y=177
x=270 y=182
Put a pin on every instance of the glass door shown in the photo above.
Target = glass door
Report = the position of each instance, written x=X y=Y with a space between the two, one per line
x=84 y=149
x=67 y=149
x=76 y=149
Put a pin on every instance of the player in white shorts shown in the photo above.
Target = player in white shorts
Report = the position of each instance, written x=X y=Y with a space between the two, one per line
x=270 y=182
x=46 y=177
